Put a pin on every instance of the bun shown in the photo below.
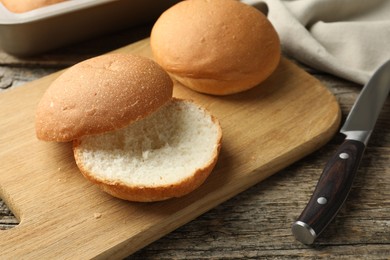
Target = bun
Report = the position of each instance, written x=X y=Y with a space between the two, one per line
x=100 y=95
x=217 y=47
x=130 y=137
x=168 y=154
x=21 y=6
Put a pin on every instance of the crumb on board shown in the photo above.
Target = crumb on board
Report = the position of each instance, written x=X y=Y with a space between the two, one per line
x=62 y=180
x=97 y=215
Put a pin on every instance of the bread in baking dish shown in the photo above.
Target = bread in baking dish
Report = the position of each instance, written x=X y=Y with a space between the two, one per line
x=217 y=47
x=21 y=6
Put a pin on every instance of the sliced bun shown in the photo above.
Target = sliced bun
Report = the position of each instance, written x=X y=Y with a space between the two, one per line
x=168 y=154
x=130 y=137
x=100 y=95
x=21 y=6
x=217 y=47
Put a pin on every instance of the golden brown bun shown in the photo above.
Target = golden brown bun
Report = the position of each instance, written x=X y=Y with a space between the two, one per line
x=21 y=6
x=217 y=47
x=100 y=95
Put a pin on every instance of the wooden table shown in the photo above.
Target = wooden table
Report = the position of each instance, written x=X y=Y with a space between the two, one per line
x=256 y=223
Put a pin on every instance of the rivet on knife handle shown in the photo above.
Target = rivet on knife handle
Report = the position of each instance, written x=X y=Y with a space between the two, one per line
x=330 y=193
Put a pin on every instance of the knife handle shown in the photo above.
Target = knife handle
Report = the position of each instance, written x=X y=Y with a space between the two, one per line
x=330 y=193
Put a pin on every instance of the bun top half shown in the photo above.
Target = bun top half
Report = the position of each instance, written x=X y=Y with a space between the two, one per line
x=101 y=94
x=224 y=41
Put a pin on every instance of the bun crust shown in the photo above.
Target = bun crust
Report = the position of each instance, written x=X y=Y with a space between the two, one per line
x=218 y=47
x=21 y=6
x=166 y=155
x=100 y=95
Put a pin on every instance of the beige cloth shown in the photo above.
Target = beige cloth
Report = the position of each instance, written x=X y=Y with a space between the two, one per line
x=347 y=38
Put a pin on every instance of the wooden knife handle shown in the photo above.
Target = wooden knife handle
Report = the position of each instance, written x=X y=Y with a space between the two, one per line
x=330 y=193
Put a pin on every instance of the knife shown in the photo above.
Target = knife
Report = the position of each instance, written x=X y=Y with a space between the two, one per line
x=337 y=177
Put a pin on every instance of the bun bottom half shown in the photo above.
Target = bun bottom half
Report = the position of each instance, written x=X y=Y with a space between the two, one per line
x=166 y=155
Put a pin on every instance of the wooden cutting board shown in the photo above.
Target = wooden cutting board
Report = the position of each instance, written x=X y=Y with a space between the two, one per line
x=62 y=215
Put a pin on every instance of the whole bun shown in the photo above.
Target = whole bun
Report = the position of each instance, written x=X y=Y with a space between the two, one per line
x=21 y=6
x=217 y=47
x=101 y=94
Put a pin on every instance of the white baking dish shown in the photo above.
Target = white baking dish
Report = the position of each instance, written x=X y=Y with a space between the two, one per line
x=53 y=26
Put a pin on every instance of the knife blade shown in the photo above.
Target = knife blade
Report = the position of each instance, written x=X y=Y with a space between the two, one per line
x=339 y=172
